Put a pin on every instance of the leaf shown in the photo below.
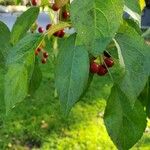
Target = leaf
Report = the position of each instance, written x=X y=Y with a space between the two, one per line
x=36 y=78
x=72 y=71
x=20 y=65
x=16 y=85
x=134 y=25
x=2 y=71
x=28 y=44
x=145 y=97
x=134 y=5
x=125 y=124
x=142 y=4
x=4 y=39
x=136 y=57
x=133 y=15
x=23 y=24
x=95 y=25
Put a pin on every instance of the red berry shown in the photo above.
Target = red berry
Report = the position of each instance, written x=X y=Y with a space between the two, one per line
x=43 y=60
x=102 y=70
x=36 y=52
x=66 y=15
x=60 y=33
x=55 y=7
x=94 y=67
x=34 y=2
x=41 y=30
x=48 y=26
x=109 y=62
x=38 y=49
x=45 y=55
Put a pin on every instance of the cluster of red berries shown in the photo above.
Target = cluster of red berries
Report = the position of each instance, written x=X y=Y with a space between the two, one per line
x=41 y=29
x=65 y=13
x=55 y=7
x=102 y=69
x=44 y=54
x=59 y=33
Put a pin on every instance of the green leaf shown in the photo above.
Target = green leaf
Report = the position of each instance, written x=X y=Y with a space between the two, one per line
x=134 y=25
x=95 y=25
x=28 y=44
x=2 y=71
x=134 y=5
x=135 y=58
x=23 y=24
x=36 y=78
x=20 y=65
x=145 y=97
x=125 y=124
x=4 y=39
x=16 y=85
x=72 y=71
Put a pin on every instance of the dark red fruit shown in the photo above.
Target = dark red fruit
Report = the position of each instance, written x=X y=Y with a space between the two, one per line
x=38 y=49
x=55 y=7
x=109 y=62
x=41 y=30
x=56 y=33
x=60 y=33
x=48 y=26
x=66 y=15
x=43 y=60
x=34 y=2
x=106 y=54
x=36 y=52
x=94 y=67
x=102 y=70
x=45 y=55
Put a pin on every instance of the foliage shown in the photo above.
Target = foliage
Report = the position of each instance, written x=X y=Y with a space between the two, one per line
x=98 y=26
x=29 y=124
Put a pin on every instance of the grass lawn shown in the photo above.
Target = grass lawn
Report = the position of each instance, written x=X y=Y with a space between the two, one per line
x=37 y=122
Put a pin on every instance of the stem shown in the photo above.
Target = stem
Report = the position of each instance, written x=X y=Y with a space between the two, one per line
x=108 y=70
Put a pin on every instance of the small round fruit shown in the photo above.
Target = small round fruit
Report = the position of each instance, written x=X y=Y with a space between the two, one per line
x=36 y=52
x=45 y=55
x=48 y=26
x=34 y=2
x=38 y=49
x=109 y=62
x=55 y=7
x=102 y=70
x=41 y=30
x=94 y=67
x=106 y=54
x=44 y=60
x=66 y=15
x=61 y=33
